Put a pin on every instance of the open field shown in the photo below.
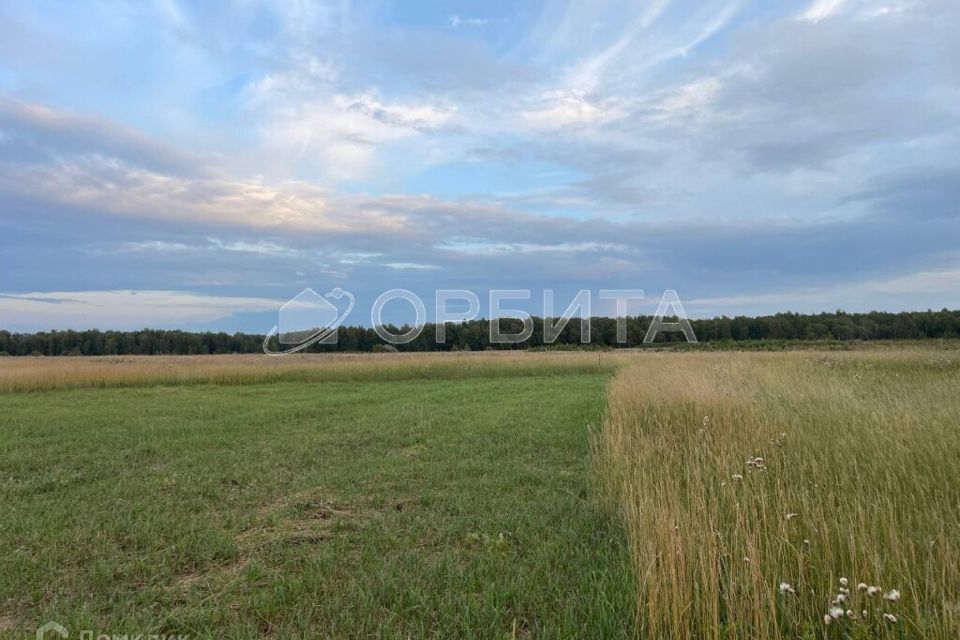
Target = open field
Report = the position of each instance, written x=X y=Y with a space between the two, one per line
x=737 y=473
x=39 y=373
x=406 y=508
x=493 y=495
x=34 y=374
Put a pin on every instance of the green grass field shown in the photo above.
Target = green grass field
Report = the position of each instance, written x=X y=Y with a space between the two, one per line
x=614 y=495
x=421 y=508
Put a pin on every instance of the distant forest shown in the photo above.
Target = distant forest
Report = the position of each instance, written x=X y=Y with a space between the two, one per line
x=473 y=335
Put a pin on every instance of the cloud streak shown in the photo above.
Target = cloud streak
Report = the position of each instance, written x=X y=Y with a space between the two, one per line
x=125 y=309
x=733 y=150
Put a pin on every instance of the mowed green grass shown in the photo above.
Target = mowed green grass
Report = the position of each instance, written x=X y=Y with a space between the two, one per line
x=440 y=508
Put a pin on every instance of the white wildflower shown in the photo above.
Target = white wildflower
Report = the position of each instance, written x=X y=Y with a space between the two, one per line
x=889 y=617
x=836 y=613
x=893 y=595
x=872 y=591
x=791 y=516
x=843 y=582
x=841 y=597
x=862 y=586
x=827 y=619
x=736 y=476
x=849 y=613
x=785 y=588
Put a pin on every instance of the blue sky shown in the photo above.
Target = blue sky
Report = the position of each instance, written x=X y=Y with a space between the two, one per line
x=196 y=164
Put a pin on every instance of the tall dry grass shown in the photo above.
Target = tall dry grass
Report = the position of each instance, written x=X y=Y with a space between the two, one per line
x=859 y=479
x=44 y=373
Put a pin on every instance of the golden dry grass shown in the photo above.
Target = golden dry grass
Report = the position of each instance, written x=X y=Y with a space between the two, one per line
x=52 y=373
x=37 y=374
x=862 y=447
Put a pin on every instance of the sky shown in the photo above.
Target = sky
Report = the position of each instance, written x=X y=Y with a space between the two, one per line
x=197 y=164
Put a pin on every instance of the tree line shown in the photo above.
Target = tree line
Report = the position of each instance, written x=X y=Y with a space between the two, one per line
x=474 y=335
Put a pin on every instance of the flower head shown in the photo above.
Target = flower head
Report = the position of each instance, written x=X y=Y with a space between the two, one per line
x=785 y=588
x=893 y=595
x=889 y=617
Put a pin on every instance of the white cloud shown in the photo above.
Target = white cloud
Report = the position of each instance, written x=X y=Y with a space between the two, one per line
x=306 y=74
x=504 y=248
x=457 y=21
x=821 y=9
x=408 y=266
x=124 y=309
x=895 y=7
x=603 y=86
x=110 y=185
x=945 y=281
x=642 y=130
x=422 y=116
x=161 y=246
x=913 y=290
x=559 y=109
x=261 y=247
x=342 y=135
x=691 y=101
x=59 y=132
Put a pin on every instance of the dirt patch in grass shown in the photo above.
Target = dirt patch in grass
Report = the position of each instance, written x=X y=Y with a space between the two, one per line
x=304 y=517
x=307 y=497
x=412 y=452
x=216 y=574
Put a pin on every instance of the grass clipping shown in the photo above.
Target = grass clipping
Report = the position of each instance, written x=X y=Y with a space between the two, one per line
x=789 y=495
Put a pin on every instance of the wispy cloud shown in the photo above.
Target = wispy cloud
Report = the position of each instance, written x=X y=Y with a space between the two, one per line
x=905 y=292
x=458 y=21
x=820 y=9
x=730 y=148
x=124 y=309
